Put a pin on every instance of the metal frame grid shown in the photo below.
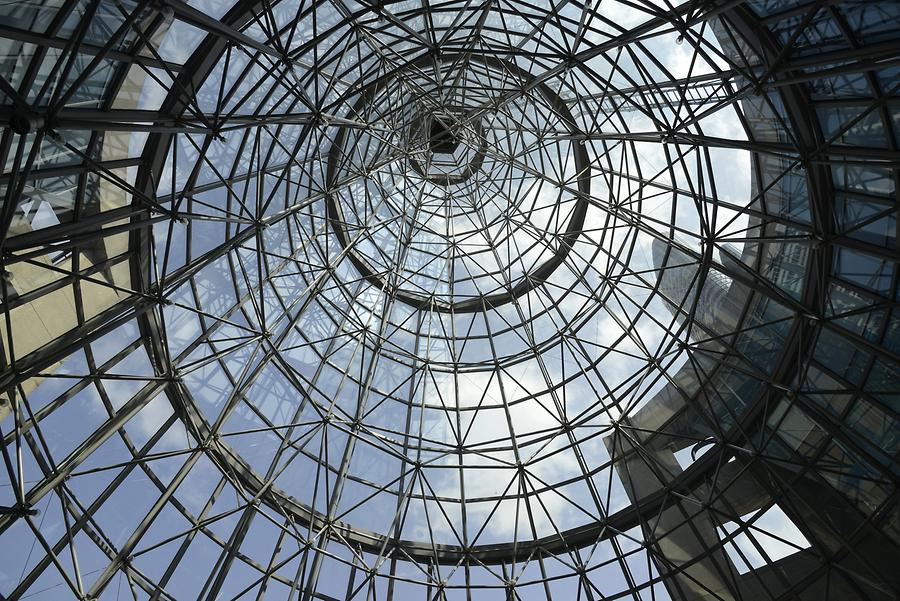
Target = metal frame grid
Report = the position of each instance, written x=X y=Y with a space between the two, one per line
x=633 y=334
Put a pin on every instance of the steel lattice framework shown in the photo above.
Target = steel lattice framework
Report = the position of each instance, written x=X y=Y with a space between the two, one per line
x=333 y=299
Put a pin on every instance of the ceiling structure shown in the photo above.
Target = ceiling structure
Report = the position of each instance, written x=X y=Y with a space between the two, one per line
x=450 y=300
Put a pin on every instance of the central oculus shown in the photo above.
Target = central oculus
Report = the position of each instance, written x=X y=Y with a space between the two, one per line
x=464 y=190
x=455 y=149
x=442 y=139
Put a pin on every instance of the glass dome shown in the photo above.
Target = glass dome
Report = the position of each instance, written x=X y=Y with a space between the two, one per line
x=449 y=301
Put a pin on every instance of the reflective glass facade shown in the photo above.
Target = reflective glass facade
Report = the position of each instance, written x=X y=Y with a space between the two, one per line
x=416 y=300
